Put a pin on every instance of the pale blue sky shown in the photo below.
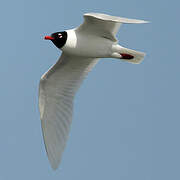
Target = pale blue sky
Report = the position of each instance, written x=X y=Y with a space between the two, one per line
x=126 y=117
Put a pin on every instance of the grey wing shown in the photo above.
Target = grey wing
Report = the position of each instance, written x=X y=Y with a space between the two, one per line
x=104 y=25
x=56 y=92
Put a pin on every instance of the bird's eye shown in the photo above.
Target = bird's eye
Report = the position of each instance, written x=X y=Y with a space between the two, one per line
x=60 y=35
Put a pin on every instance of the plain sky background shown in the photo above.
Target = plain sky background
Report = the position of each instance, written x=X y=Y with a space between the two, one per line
x=126 y=117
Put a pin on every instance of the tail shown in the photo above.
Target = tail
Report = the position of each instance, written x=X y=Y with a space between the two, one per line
x=137 y=57
x=128 y=55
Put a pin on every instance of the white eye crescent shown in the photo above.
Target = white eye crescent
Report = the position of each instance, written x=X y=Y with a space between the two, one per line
x=60 y=35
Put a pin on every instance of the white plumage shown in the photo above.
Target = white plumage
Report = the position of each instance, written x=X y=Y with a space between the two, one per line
x=92 y=40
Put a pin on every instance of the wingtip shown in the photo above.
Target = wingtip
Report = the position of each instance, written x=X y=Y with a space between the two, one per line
x=54 y=168
x=146 y=21
x=54 y=165
x=54 y=160
x=140 y=21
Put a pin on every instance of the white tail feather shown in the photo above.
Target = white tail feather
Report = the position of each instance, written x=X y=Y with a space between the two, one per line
x=137 y=56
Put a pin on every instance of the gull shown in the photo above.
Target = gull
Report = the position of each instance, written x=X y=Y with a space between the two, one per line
x=81 y=47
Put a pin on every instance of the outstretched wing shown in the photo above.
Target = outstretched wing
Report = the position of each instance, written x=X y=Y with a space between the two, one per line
x=56 y=92
x=104 y=25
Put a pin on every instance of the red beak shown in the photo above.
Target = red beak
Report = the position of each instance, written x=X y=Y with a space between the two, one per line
x=48 y=38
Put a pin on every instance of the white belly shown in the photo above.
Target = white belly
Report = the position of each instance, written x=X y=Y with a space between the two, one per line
x=87 y=45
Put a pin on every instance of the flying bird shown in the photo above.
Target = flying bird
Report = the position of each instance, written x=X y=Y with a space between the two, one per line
x=81 y=47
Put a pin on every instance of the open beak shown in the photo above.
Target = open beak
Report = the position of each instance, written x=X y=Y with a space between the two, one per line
x=48 y=38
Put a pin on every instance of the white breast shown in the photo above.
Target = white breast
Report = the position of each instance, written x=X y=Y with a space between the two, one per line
x=71 y=42
x=87 y=45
